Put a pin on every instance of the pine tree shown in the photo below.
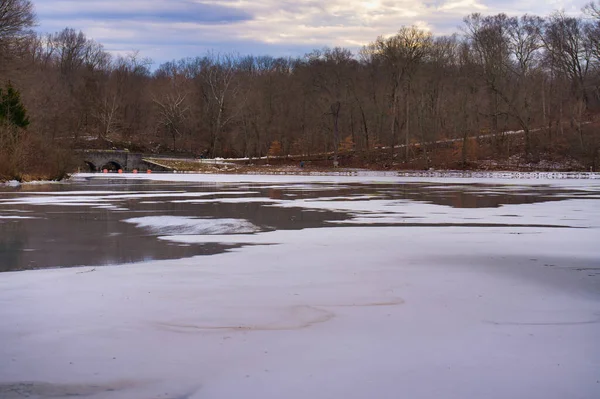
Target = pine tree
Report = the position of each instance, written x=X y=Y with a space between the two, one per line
x=12 y=110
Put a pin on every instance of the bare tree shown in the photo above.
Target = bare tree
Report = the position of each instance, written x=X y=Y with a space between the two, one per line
x=489 y=47
x=329 y=79
x=564 y=41
x=172 y=105
x=524 y=44
x=404 y=52
x=107 y=115
x=16 y=18
x=592 y=9
x=221 y=88
x=70 y=48
x=173 y=113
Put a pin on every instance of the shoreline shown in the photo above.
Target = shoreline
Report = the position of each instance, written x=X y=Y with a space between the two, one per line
x=460 y=174
x=375 y=173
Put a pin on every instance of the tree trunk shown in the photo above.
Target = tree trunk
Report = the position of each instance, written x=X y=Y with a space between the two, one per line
x=335 y=112
x=581 y=108
x=544 y=102
x=527 y=141
x=394 y=113
x=526 y=125
x=465 y=132
x=406 y=141
x=364 y=123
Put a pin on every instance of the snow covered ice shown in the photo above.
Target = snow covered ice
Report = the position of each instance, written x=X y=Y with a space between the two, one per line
x=405 y=299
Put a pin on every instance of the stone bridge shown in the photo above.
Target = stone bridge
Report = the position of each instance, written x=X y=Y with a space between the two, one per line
x=113 y=160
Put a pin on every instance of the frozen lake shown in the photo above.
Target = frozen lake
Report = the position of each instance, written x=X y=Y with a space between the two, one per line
x=97 y=221
x=207 y=286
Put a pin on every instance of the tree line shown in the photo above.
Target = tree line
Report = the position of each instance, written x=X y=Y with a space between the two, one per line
x=498 y=73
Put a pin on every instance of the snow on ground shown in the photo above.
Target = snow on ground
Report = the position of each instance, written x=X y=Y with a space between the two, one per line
x=12 y=183
x=336 y=312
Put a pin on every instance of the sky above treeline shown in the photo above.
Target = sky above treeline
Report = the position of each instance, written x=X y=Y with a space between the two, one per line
x=171 y=29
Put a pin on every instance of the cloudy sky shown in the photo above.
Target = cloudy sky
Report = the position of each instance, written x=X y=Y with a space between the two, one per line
x=171 y=29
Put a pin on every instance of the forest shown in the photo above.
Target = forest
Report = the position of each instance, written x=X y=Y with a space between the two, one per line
x=395 y=103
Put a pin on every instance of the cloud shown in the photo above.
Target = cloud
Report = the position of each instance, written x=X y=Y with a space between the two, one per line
x=125 y=11
x=466 y=5
x=166 y=29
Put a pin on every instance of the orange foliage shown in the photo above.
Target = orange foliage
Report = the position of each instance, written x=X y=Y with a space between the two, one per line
x=347 y=144
x=275 y=149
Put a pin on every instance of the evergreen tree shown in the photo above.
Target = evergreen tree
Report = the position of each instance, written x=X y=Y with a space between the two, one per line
x=12 y=110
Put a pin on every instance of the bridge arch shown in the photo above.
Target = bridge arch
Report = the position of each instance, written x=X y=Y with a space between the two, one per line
x=112 y=166
x=89 y=166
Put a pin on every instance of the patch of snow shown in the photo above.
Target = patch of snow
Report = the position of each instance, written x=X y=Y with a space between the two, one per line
x=228 y=200
x=91 y=192
x=165 y=225
x=112 y=208
x=78 y=200
x=347 y=198
x=65 y=201
x=41 y=182
x=13 y=183
x=565 y=213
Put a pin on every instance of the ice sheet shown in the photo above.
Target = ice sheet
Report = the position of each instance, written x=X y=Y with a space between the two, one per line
x=337 y=312
x=328 y=313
